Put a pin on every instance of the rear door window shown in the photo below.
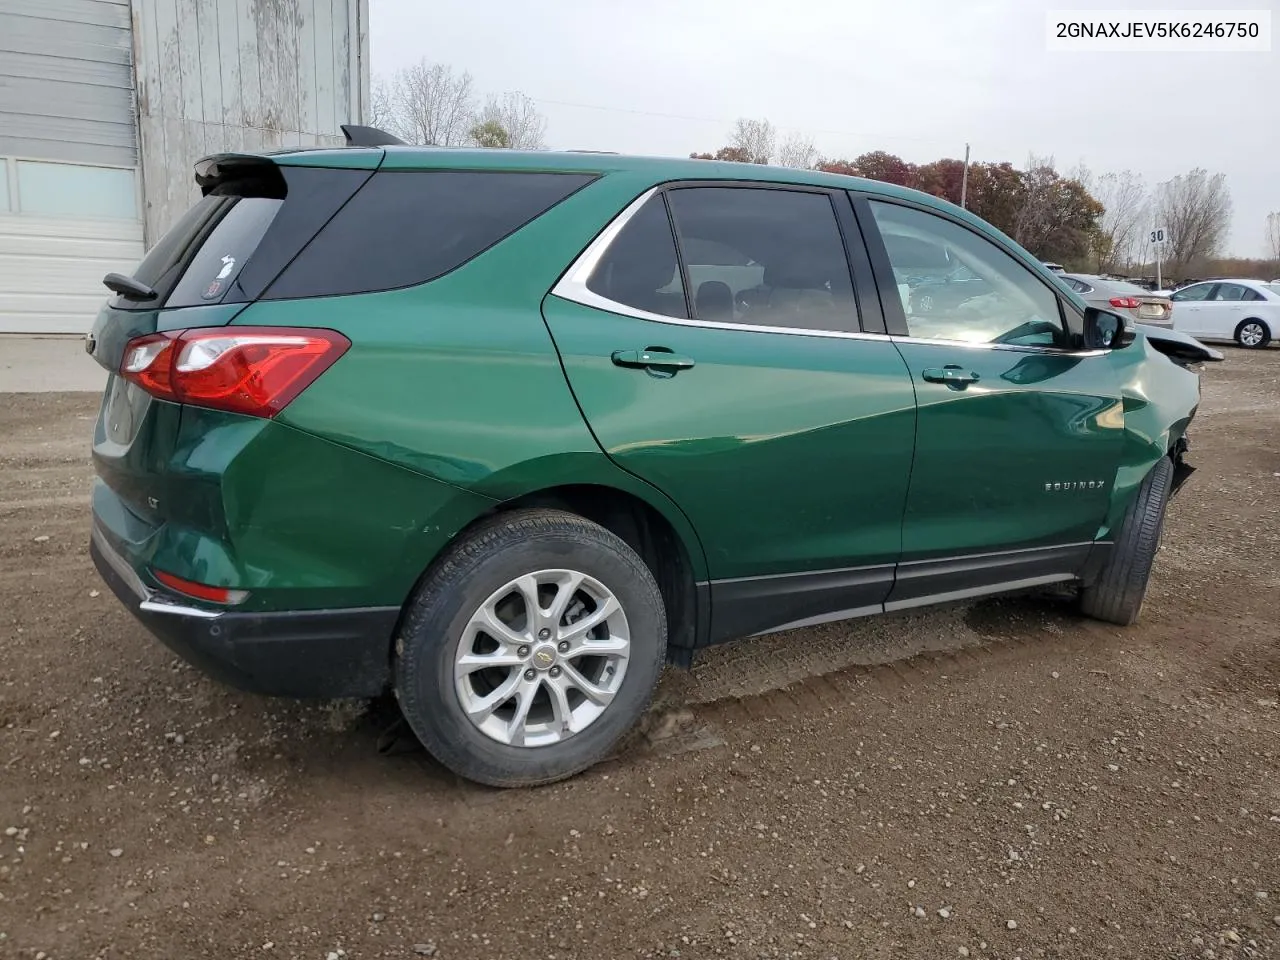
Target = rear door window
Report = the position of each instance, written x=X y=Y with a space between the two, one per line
x=406 y=227
x=640 y=269
x=764 y=257
x=1199 y=291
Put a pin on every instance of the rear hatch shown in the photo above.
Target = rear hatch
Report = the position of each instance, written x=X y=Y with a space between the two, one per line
x=255 y=214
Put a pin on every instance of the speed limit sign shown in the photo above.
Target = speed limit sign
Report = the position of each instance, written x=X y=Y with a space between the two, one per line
x=1158 y=237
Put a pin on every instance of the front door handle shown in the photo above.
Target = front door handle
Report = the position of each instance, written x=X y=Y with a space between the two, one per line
x=652 y=359
x=951 y=374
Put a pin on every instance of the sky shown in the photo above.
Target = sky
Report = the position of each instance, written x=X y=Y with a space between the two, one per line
x=918 y=78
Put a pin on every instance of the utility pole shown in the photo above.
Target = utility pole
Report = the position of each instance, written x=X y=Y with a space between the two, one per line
x=964 y=181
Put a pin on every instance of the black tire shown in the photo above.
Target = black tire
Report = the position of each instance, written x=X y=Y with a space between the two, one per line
x=1117 y=595
x=497 y=551
x=1256 y=344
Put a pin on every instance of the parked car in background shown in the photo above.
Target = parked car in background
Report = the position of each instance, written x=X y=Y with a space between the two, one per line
x=1246 y=311
x=947 y=292
x=1121 y=295
x=504 y=431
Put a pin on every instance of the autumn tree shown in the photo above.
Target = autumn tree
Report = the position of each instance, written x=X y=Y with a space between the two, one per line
x=942 y=178
x=995 y=194
x=1057 y=216
x=1195 y=210
x=730 y=154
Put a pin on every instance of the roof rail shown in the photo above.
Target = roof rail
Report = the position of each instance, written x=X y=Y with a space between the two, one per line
x=358 y=136
x=612 y=153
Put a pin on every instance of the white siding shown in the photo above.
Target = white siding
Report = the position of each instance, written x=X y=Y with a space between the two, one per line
x=51 y=270
x=66 y=81
x=240 y=75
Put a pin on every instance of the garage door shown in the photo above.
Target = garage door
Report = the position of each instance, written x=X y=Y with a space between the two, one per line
x=69 y=208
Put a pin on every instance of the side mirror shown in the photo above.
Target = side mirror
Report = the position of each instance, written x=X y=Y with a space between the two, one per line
x=1106 y=331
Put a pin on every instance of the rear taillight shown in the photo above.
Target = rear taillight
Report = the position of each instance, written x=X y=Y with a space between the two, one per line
x=251 y=370
x=199 y=591
x=1128 y=302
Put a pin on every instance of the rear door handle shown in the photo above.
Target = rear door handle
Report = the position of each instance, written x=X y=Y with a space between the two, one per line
x=652 y=359
x=950 y=374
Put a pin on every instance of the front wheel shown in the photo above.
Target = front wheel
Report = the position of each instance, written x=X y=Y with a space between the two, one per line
x=1252 y=334
x=530 y=649
x=1118 y=593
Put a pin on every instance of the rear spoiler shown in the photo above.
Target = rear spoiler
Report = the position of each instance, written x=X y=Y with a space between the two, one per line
x=358 y=136
x=1178 y=346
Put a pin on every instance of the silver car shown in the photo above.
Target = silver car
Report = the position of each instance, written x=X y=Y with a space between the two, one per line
x=1122 y=297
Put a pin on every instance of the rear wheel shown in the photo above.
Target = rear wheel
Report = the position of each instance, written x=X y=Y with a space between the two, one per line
x=1117 y=595
x=530 y=649
x=1252 y=334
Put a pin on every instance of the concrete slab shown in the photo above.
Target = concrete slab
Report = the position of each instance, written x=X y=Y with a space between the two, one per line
x=48 y=365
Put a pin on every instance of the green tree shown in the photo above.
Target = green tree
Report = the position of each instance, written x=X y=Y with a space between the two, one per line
x=490 y=133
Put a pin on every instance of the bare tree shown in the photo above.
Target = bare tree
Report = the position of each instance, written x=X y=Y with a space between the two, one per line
x=510 y=121
x=382 y=112
x=1120 y=231
x=428 y=103
x=754 y=139
x=1273 y=236
x=1195 y=210
x=798 y=151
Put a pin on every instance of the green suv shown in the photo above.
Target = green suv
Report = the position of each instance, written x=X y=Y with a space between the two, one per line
x=505 y=432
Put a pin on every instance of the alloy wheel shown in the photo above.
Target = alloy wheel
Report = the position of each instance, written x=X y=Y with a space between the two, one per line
x=542 y=658
x=1252 y=334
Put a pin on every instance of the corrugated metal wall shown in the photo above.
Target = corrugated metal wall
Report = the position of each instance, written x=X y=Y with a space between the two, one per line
x=217 y=75
x=66 y=96
x=66 y=83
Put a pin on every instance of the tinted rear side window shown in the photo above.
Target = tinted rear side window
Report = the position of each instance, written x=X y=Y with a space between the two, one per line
x=408 y=227
x=235 y=240
x=640 y=268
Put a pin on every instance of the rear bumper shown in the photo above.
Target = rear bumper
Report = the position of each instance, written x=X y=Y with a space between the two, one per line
x=303 y=653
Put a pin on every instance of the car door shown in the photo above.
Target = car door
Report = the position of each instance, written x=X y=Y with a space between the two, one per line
x=1223 y=310
x=1019 y=433
x=733 y=373
x=1189 y=313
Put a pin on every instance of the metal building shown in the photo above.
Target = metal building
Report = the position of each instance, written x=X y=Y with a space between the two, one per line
x=106 y=104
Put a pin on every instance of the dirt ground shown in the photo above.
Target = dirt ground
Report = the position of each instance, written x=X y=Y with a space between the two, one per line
x=997 y=780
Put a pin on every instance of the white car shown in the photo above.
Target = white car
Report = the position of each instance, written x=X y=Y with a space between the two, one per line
x=1246 y=311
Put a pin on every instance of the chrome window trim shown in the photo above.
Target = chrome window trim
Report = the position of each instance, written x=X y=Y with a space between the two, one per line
x=1013 y=347
x=572 y=286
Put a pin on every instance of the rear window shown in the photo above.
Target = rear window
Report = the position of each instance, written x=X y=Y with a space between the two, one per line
x=239 y=236
x=1132 y=289
x=407 y=227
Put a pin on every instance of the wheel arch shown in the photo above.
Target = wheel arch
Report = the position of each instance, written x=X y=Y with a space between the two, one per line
x=1268 y=325
x=637 y=513
x=674 y=556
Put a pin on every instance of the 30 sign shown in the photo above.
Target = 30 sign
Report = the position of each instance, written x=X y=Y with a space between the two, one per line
x=1159 y=237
